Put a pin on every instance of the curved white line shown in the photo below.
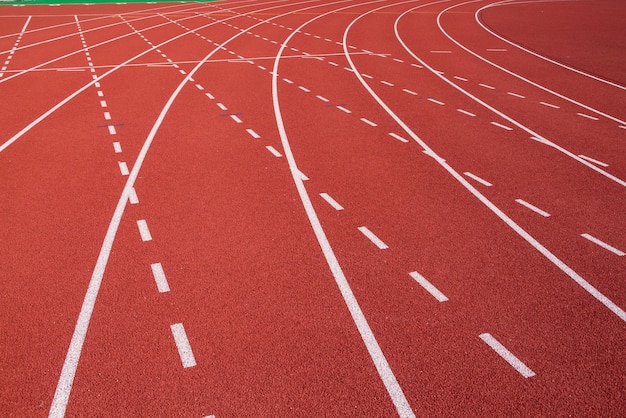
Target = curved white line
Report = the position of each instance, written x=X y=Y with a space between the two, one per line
x=560 y=64
x=499 y=213
x=70 y=365
x=378 y=357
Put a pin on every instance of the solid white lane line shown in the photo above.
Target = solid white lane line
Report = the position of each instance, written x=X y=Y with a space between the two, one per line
x=343 y=109
x=604 y=245
x=549 y=105
x=183 y=346
x=236 y=118
x=117 y=147
x=430 y=99
x=159 y=277
x=516 y=95
x=112 y=130
x=533 y=208
x=253 y=134
x=398 y=137
x=369 y=122
x=499 y=125
x=370 y=235
x=123 y=168
x=274 y=151
x=584 y=157
x=587 y=116
x=465 y=112
x=478 y=179
x=486 y=86
x=509 y=357
x=428 y=286
x=143 y=230
x=332 y=202
x=132 y=196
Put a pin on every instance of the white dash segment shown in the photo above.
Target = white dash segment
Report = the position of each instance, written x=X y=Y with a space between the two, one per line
x=487 y=86
x=117 y=147
x=436 y=293
x=332 y=202
x=304 y=89
x=372 y=237
x=123 y=168
x=159 y=277
x=411 y=92
x=253 y=134
x=430 y=99
x=236 y=118
x=509 y=357
x=221 y=106
x=274 y=151
x=343 y=109
x=143 y=230
x=593 y=160
x=199 y=87
x=604 y=245
x=132 y=196
x=499 y=125
x=209 y=95
x=519 y=96
x=103 y=103
x=369 y=122
x=460 y=78
x=533 y=208
x=465 y=112
x=112 y=130
x=478 y=179
x=322 y=98
x=183 y=346
x=288 y=80
x=398 y=137
x=549 y=105
x=587 y=116
x=386 y=83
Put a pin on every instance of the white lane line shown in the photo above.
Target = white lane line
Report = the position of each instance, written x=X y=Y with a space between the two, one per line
x=117 y=147
x=123 y=168
x=103 y=103
x=209 y=95
x=370 y=235
x=261 y=67
x=507 y=355
x=440 y=52
x=587 y=116
x=369 y=122
x=348 y=69
x=112 y=130
x=304 y=89
x=416 y=66
x=253 y=134
x=409 y=91
x=332 y=202
x=516 y=95
x=430 y=99
x=287 y=81
x=333 y=64
x=478 y=179
x=159 y=277
x=533 y=208
x=386 y=83
x=499 y=125
x=486 y=86
x=549 y=105
x=132 y=196
x=343 y=109
x=199 y=87
x=367 y=76
x=274 y=151
x=322 y=98
x=428 y=286
x=604 y=245
x=496 y=49
x=397 y=60
x=182 y=72
x=183 y=346
x=584 y=157
x=398 y=137
x=236 y=118
x=143 y=230
x=100 y=93
x=221 y=106
x=465 y=112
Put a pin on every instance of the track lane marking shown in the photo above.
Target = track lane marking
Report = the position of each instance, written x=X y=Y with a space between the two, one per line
x=183 y=346
x=603 y=244
x=533 y=208
x=509 y=357
x=398 y=137
x=478 y=179
x=144 y=232
x=372 y=237
x=332 y=202
x=274 y=151
x=252 y=133
x=593 y=160
x=430 y=288
x=465 y=112
x=159 y=277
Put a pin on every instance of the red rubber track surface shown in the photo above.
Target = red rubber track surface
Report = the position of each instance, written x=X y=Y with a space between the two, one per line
x=414 y=119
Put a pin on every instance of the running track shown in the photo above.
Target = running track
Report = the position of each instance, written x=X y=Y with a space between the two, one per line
x=313 y=208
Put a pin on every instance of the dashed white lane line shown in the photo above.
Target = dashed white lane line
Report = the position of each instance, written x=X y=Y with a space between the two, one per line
x=132 y=196
x=533 y=208
x=398 y=137
x=478 y=179
x=209 y=95
x=112 y=130
x=103 y=103
x=367 y=76
x=117 y=147
x=465 y=112
x=221 y=106
x=509 y=357
x=369 y=122
x=436 y=293
x=372 y=237
x=487 y=86
x=253 y=134
x=143 y=230
x=549 y=105
x=416 y=66
x=386 y=83
x=332 y=202
x=496 y=50
x=343 y=109
x=411 y=92
x=440 y=52
x=183 y=346
x=430 y=99
x=159 y=277
x=236 y=118
x=322 y=98
x=288 y=80
x=304 y=89
x=123 y=168
x=199 y=87
x=604 y=245
x=519 y=96
x=100 y=93
x=593 y=160
x=499 y=125
x=334 y=64
x=274 y=151
x=587 y=116
x=398 y=60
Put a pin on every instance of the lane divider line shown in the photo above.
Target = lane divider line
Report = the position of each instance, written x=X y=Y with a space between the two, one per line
x=430 y=288
x=159 y=277
x=604 y=245
x=533 y=208
x=372 y=237
x=593 y=160
x=183 y=345
x=332 y=202
x=144 y=232
x=509 y=357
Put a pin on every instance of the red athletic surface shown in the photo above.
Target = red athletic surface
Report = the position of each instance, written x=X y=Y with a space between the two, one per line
x=269 y=329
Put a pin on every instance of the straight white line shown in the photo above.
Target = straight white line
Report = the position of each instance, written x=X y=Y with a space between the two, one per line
x=496 y=49
x=103 y=103
x=369 y=234
x=100 y=93
x=409 y=91
x=398 y=137
x=132 y=196
x=287 y=81
x=549 y=105
x=274 y=151
x=209 y=95
x=507 y=355
x=332 y=202
x=387 y=83
x=465 y=112
x=221 y=106
x=533 y=208
x=369 y=122
x=117 y=147
x=183 y=346
x=261 y=67
x=333 y=63
x=322 y=98
x=478 y=179
x=348 y=69
x=236 y=118
x=587 y=116
x=430 y=99
x=516 y=95
x=429 y=287
x=499 y=125
x=253 y=134
x=304 y=89
x=486 y=86
x=159 y=277
x=343 y=109
x=112 y=130
x=367 y=76
x=397 y=60
x=440 y=52
x=584 y=157
x=604 y=245
x=303 y=176
x=143 y=230
x=199 y=87
x=416 y=66
x=123 y=168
